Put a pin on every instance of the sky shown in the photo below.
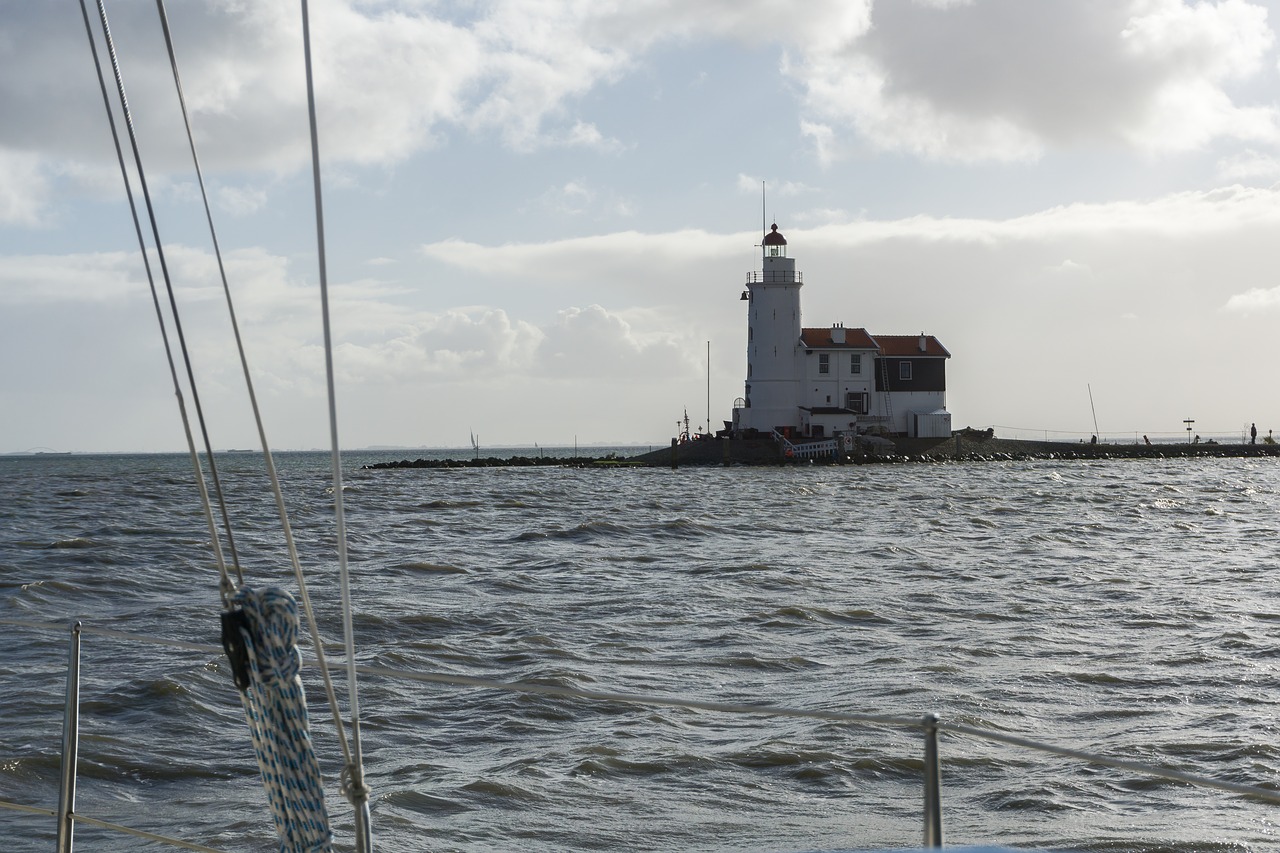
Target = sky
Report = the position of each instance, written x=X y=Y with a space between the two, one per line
x=539 y=215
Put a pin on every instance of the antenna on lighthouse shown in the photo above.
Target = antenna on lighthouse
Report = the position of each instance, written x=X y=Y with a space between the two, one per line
x=764 y=223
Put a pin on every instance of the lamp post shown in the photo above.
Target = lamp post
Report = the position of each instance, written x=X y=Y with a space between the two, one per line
x=1189 y=422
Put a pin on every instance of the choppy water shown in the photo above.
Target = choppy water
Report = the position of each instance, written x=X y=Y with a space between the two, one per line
x=1124 y=607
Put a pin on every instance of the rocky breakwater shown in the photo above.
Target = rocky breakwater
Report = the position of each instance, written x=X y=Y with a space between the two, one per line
x=508 y=462
x=979 y=445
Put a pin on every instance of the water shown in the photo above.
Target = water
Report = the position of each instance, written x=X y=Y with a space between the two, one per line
x=1127 y=607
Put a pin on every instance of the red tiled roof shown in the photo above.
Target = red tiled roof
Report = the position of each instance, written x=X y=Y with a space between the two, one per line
x=891 y=345
x=821 y=339
x=904 y=345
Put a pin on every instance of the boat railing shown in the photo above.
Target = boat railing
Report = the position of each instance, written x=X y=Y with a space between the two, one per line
x=929 y=725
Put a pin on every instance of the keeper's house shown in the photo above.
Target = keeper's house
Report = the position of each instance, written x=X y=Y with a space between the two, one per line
x=820 y=382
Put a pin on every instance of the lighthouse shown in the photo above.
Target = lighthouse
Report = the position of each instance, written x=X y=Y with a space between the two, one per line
x=828 y=381
x=773 y=340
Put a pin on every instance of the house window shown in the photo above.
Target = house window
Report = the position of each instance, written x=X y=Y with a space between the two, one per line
x=855 y=363
x=904 y=370
x=856 y=402
x=824 y=362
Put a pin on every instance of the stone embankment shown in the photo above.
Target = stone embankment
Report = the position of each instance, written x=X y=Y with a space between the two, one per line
x=977 y=445
x=968 y=445
x=495 y=462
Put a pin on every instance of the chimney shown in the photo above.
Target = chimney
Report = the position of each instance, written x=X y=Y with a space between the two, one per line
x=924 y=343
x=837 y=333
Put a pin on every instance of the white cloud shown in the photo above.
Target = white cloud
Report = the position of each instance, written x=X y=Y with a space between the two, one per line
x=592 y=343
x=1070 y=269
x=396 y=78
x=1254 y=300
x=1216 y=41
x=586 y=135
x=241 y=201
x=587 y=258
x=82 y=278
x=24 y=188
x=823 y=138
x=1247 y=165
x=1005 y=80
x=579 y=198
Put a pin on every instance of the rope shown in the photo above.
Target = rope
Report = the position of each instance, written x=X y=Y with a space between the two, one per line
x=226 y=585
x=275 y=706
x=353 y=787
x=268 y=459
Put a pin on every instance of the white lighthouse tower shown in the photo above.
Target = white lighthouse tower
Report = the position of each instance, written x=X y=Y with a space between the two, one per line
x=773 y=341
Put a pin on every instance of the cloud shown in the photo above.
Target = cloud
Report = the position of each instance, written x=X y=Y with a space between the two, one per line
x=81 y=278
x=395 y=78
x=580 y=198
x=24 y=188
x=382 y=340
x=1256 y=299
x=1149 y=73
x=241 y=201
x=592 y=343
x=460 y=346
x=823 y=138
x=1070 y=269
x=1248 y=165
x=587 y=258
x=586 y=135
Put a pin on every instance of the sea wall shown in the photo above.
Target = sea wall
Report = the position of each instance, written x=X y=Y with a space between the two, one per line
x=972 y=446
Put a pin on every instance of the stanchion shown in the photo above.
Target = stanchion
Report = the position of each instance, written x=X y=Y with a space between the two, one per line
x=932 y=784
x=70 y=747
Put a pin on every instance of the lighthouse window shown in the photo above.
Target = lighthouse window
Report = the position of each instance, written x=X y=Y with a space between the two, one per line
x=751 y=333
x=904 y=370
x=824 y=362
x=855 y=363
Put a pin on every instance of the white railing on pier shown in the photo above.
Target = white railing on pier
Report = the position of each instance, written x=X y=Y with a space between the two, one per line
x=807 y=449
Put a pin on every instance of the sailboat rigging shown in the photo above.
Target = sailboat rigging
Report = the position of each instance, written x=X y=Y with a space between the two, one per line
x=256 y=622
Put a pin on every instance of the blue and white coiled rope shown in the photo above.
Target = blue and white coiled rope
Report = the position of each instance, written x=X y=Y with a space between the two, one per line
x=276 y=709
